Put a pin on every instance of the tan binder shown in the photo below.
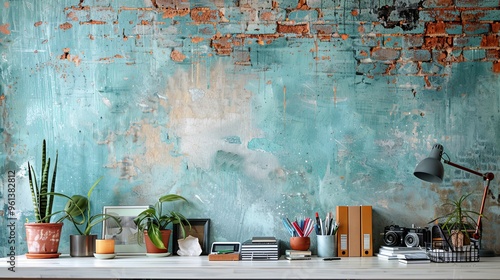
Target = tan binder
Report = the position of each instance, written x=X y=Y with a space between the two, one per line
x=342 y=238
x=366 y=231
x=354 y=231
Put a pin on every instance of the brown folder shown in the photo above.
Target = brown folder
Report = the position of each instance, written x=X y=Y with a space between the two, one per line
x=354 y=231
x=366 y=231
x=342 y=238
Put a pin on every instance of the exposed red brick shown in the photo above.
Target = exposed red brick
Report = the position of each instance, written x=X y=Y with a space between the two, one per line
x=71 y=15
x=323 y=29
x=65 y=26
x=442 y=58
x=261 y=38
x=177 y=56
x=492 y=54
x=266 y=16
x=496 y=66
x=65 y=54
x=302 y=5
x=197 y=39
x=440 y=3
x=344 y=36
x=222 y=45
x=301 y=28
x=472 y=16
x=437 y=43
x=495 y=27
x=489 y=41
x=171 y=13
x=203 y=14
x=145 y=22
x=427 y=82
x=38 y=23
x=97 y=22
x=4 y=29
x=434 y=28
x=355 y=12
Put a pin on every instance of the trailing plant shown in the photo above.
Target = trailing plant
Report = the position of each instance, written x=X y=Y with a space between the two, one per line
x=153 y=219
x=40 y=193
x=77 y=210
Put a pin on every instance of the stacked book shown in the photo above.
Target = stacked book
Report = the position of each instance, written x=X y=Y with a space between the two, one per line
x=413 y=258
x=391 y=253
x=260 y=248
x=297 y=255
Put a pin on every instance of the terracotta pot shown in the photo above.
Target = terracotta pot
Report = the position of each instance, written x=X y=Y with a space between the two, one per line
x=151 y=248
x=43 y=238
x=82 y=245
x=300 y=243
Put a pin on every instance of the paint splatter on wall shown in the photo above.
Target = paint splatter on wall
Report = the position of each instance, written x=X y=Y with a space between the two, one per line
x=255 y=110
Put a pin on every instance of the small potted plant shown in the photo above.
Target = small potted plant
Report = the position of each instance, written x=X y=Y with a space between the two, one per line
x=153 y=223
x=43 y=245
x=77 y=210
x=458 y=221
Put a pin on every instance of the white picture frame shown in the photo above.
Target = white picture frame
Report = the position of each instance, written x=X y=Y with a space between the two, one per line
x=126 y=242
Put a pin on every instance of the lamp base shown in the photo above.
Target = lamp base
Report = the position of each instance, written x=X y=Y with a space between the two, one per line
x=486 y=253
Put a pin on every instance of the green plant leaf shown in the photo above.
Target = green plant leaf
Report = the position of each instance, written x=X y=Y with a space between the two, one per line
x=155 y=235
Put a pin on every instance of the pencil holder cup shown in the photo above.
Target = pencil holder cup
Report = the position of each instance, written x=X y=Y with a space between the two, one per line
x=300 y=243
x=326 y=246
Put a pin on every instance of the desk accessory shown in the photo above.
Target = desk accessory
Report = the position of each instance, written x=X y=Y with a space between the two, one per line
x=431 y=170
x=326 y=246
x=297 y=255
x=257 y=250
x=225 y=251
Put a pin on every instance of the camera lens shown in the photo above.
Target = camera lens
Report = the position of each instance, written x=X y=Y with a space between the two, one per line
x=391 y=238
x=411 y=240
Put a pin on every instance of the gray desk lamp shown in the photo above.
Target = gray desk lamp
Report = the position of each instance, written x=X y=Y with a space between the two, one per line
x=431 y=170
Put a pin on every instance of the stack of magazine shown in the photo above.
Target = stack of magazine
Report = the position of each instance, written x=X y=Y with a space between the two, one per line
x=260 y=248
x=391 y=253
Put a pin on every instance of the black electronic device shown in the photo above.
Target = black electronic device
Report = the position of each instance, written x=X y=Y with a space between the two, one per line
x=225 y=247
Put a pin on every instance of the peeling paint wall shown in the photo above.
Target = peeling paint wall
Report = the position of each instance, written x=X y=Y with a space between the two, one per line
x=253 y=110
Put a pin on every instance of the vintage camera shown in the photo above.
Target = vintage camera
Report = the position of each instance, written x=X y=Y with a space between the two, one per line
x=396 y=236
x=416 y=237
x=393 y=235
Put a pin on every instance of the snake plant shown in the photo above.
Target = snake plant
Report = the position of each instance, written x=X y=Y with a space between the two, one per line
x=42 y=200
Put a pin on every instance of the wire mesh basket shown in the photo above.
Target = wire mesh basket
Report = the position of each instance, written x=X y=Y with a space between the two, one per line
x=441 y=250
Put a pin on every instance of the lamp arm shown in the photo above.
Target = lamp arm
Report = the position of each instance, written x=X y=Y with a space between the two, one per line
x=486 y=177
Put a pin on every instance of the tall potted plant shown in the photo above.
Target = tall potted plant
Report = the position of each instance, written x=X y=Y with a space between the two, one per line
x=78 y=211
x=43 y=236
x=153 y=223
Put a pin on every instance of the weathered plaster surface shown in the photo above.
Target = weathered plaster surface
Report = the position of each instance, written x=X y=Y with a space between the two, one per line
x=253 y=111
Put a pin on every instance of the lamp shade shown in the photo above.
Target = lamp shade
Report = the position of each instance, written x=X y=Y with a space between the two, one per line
x=431 y=169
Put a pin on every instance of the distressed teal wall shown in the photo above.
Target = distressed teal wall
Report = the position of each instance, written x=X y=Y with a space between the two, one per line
x=253 y=110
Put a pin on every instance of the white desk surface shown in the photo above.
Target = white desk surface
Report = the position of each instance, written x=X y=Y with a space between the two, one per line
x=143 y=267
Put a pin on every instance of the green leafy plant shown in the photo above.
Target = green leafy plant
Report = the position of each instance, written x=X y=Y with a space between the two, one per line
x=77 y=210
x=457 y=219
x=40 y=193
x=153 y=219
